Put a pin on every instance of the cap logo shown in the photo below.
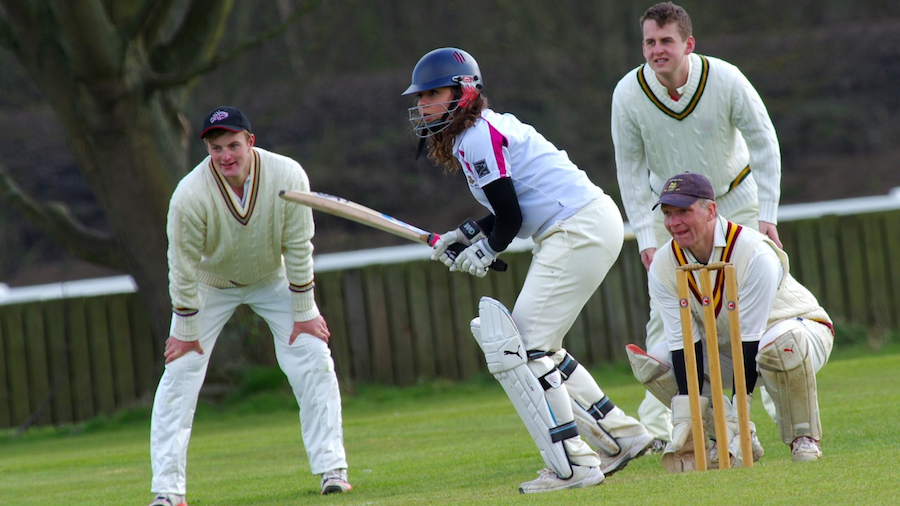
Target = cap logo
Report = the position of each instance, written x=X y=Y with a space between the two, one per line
x=673 y=185
x=218 y=116
x=459 y=57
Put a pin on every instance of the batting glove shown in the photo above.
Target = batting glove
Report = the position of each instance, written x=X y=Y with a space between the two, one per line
x=476 y=259
x=467 y=233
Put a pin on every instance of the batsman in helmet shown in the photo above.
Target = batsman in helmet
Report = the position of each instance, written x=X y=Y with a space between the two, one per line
x=530 y=189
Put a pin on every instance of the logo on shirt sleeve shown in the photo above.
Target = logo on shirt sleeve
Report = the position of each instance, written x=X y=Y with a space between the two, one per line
x=481 y=168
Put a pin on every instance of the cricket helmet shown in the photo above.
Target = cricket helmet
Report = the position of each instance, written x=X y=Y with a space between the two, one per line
x=446 y=66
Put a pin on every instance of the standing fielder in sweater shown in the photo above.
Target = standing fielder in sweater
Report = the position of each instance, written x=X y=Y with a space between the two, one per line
x=531 y=189
x=786 y=335
x=232 y=241
x=683 y=111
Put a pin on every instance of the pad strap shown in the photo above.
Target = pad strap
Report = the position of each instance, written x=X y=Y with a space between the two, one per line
x=564 y=431
x=568 y=366
x=601 y=408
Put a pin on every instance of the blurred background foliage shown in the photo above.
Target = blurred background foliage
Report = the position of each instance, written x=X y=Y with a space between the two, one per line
x=327 y=92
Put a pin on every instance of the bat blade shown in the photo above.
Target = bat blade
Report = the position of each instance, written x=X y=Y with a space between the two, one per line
x=341 y=207
x=352 y=211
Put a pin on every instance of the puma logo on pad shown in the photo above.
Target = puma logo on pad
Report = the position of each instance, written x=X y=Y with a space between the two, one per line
x=516 y=353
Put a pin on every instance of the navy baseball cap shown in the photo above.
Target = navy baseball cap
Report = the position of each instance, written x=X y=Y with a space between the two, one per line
x=684 y=189
x=226 y=118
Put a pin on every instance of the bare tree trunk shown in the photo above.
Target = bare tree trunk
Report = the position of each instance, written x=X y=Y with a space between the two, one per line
x=136 y=200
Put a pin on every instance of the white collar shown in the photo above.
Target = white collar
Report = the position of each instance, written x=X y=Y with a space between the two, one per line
x=680 y=89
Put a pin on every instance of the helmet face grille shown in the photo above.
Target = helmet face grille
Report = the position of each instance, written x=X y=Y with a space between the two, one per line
x=426 y=126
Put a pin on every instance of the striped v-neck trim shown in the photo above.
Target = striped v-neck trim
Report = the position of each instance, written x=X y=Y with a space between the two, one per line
x=695 y=99
x=732 y=231
x=241 y=213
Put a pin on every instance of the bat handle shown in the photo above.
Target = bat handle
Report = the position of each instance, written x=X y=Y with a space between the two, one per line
x=499 y=265
x=456 y=248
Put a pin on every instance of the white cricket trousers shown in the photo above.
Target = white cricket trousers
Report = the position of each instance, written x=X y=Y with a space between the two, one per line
x=307 y=364
x=569 y=262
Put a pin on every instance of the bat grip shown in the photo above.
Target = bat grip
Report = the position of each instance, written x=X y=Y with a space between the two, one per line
x=457 y=248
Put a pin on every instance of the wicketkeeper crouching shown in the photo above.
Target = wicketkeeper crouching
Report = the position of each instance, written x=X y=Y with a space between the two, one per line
x=787 y=336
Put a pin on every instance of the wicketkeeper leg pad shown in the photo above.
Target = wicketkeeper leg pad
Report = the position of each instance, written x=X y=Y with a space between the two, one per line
x=678 y=457
x=657 y=378
x=789 y=375
x=499 y=339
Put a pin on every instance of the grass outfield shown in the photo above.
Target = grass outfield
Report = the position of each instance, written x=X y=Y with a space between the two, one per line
x=452 y=444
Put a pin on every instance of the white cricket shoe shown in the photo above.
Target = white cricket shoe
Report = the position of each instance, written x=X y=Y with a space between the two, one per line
x=712 y=455
x=712 y=451
x=547 y=481
x=335 y=481
x=168 y=500
x=656 y=447
x=804 y=449
x=630 y=447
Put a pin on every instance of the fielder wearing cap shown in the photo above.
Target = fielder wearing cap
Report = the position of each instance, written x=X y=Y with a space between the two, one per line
x=232 y=241
x=786 y=334
x=684 y=189
x=226 y=118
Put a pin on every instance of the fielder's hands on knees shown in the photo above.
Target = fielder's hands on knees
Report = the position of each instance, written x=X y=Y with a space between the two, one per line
x=476 y=259
x=770 y=230
x=316 y=327
x=647 y=257
x=176 y=348
x=468 y=233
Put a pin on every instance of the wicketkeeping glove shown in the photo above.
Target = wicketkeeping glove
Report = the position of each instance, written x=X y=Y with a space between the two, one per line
x=467 y=233
x=476 y=259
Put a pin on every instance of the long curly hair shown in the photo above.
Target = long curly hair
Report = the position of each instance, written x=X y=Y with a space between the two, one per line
x=440 y=145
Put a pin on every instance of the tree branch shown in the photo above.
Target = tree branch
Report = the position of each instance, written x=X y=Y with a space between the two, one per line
x=89 y=38
x=148 y=20
x=7 y=37
x=196 y=38
x=55 y=220
x=168 y=80
x=18 y=14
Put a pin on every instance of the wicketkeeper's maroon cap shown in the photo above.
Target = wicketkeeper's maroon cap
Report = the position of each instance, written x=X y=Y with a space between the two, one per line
x=684 y=189
x=226 y=118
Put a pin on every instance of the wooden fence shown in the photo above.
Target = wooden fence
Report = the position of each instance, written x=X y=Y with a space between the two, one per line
x=71 y=359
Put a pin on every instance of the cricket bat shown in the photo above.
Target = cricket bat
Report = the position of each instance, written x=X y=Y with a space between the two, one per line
x=358 y=213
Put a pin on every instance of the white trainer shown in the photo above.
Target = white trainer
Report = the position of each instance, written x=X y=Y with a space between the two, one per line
x=335 y=481
x=168 y=500
x=630 y=448
x=656 y=447
x=547 y=481
x=804 y=449
x=712 y=451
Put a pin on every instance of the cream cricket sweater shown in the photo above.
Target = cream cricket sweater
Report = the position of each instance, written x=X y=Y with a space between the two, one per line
x=718 y=128
x=216 y=240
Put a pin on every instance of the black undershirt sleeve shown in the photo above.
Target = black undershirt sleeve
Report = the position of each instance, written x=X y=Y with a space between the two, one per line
x=501 y=228
x=680 y=369
x=750 y=374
